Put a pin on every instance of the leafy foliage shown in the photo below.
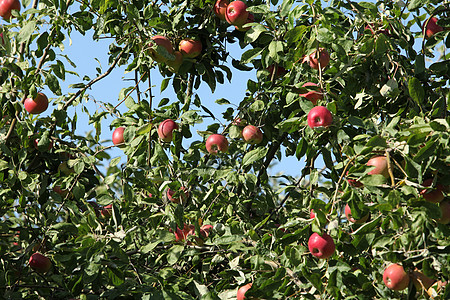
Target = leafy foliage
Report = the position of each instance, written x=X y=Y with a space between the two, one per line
x=111 y=231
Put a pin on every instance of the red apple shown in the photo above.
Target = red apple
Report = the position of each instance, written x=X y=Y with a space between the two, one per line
x=106 y=211
x=174 y=65
x=380 y=164
x=220 y=8
x=40 y=263
x=215 y=143
x=421 y=281
x=205 y=230
x=432 y=27
x=313 y=95
x=6 y=6
x=183 y=196
x=181 y=235
x=321 y=246
x=432 y=195
x=37 y=105
x=312 y=215
x=252 y=134
x=36 y=142
x=348 y=214
x=237 y=13
x=395 y=277
x=190 y=48
x=319 y=116
x=117 y=137
x=165 y=130
x=160 y=41
x=280 y=71
x=445 y=211
x=242 y=290
x=354 y=182
x=250 y=19
x=57 y=189
x=188 y=230
x=314 y=58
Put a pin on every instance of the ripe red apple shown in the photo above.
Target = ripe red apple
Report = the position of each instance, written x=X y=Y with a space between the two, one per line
x=37 y=105
x=242 y=290
x=432 y=27
x=319 y=116
x=188 y=230
x=250 y=19
x=174 y=65
x=205 y=230
x=160 y=41
x=117 y=137
x=6 y=6
x=57 y=189
x=314 y=94
x=421 y=281
x=432 y=195
x=40 y=263
x=280 y=71
x=36 y=142
x=445 y=211
x=321 y=246
x=181 y=234
x=165 y=130
x=380 y=164
x=348 y=214
x=314 y=58
x=237 y=13
x=190 y=48
x=312 y=215
x=395 y=277
x=215 y=143
x=183 y=196
x=252 y=134
x=106 y=211
x=354 y=182
x=220 y=8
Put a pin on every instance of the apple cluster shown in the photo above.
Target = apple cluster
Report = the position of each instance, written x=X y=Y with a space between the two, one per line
x=235 y=13
x=187 y=48
x=182 y=235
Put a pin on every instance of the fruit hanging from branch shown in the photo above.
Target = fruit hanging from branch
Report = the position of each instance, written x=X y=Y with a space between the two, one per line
x=37 y=105
x=395 y=277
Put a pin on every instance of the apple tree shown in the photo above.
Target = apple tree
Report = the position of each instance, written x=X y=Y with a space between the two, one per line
x=357 y=90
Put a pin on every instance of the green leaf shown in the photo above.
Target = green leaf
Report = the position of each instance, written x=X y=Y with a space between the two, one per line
x=254 y=32
x=286 y=7
x=415 y=4
x=368 y=227
x=325 y=36
x=258 y=105
x=390 y=89
x=254 y=155
x=295 y=34
x=381 y=44
x=174 y=254
x=26 y=32
x=416 y=90
x=248 y=55
x=144 y=129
